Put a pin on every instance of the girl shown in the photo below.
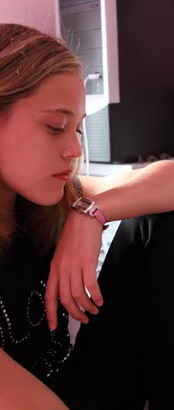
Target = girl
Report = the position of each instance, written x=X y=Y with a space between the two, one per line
x=41 y=111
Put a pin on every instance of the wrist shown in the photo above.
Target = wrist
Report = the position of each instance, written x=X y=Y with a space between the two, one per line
x=90 y=208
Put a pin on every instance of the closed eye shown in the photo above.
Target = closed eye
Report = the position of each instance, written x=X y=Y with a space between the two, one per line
x=55 y=129
x=58 y=129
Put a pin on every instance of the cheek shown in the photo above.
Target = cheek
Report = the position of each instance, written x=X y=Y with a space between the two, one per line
x=27 y=155
x=18 y=163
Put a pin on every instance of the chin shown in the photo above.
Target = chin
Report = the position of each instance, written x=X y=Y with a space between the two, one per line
x=55 y=199
x=48 y=200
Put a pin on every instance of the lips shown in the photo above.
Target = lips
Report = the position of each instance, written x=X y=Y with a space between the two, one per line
x=64 y=175
x=65 y=172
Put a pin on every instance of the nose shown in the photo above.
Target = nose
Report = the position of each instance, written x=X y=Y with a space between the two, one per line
x=72 y=148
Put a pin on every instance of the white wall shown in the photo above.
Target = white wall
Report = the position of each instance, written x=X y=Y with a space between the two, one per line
x=42 y=14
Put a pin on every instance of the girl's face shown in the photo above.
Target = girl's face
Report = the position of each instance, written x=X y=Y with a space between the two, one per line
x=39 y=139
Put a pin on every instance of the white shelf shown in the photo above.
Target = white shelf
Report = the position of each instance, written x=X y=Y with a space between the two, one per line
x=99 y=169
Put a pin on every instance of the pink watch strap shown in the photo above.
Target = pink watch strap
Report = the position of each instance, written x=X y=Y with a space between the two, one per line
x=100 y=217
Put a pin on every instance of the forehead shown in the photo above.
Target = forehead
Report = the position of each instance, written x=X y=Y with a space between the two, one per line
x=61 y=90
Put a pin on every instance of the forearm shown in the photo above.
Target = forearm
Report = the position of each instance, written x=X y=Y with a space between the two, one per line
x=20 y=390
x=148 y=190
x=93 y=185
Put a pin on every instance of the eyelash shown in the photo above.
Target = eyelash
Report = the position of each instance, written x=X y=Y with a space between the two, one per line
x=57 y=130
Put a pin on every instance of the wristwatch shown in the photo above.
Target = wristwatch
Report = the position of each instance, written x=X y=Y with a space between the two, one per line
x=88 y=207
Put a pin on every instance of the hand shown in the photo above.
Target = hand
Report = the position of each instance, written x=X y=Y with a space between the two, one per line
x=73 y=269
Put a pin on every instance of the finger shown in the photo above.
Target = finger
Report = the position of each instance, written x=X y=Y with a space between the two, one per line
x=76 y=312
x=80 y=295
x=51 y=301
x=93 y=288
x=70 y=304
x=91 y=283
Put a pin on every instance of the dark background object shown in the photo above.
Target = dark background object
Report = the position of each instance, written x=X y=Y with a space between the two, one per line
x=142 y=124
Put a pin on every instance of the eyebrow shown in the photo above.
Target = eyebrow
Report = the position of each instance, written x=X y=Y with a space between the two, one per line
x=62 y=111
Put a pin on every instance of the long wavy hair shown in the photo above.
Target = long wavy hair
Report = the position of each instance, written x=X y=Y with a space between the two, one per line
x=27 y=57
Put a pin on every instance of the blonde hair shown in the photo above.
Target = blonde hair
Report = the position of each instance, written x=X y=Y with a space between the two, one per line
x=27 y=57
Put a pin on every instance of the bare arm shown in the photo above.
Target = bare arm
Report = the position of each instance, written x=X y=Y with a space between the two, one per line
x=133 y=193
x=93 y=185
x=20 y=390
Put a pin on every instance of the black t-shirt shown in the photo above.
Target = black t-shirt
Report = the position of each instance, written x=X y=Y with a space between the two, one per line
x=24 y=332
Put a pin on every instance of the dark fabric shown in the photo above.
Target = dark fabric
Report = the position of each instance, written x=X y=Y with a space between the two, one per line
x=24 y=332
x=125 y=355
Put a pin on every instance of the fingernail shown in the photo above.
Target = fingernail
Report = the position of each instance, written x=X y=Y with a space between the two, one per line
x=99 y=303
x=52 y=328
x=94 y=311
x=85 y=321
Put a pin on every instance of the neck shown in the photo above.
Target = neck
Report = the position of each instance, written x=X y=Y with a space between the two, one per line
x=7 y=222
x=7 y=200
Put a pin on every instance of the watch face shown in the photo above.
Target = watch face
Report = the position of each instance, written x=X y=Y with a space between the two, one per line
x=86 y=206
x=82 y=204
